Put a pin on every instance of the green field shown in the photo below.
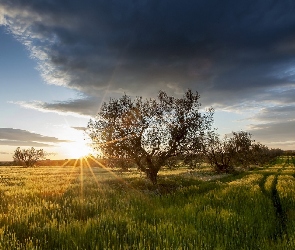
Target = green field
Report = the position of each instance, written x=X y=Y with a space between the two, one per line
x=94 y=208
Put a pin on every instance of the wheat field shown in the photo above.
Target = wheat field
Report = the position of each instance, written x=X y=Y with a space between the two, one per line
x=81 y=207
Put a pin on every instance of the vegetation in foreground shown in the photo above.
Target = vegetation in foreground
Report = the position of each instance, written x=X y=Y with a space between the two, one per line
x=92 y=208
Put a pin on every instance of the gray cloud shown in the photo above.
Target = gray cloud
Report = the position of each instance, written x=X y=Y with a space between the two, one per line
x=276 y=114
x=80 y=128
x=275 y=132
x=24 y=143
x=281 y=95
x=79 y=107
x=237 y=54
x=19 y=137
x=4 y=153
x=276 y=126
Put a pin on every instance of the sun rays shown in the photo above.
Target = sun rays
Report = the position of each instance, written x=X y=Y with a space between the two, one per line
x=83 y=170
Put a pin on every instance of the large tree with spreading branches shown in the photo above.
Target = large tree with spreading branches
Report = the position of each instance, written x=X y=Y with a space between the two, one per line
x=149 y=132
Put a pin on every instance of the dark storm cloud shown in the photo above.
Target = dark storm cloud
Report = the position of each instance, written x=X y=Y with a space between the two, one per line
x=237 y=54
x=142 y=46
x=19 y=137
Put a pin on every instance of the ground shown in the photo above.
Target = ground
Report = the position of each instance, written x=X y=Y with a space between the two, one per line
x=96 y=208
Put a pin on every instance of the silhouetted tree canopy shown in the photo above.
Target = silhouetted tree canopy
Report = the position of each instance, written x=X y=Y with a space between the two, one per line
x=28 y=157
x=236 y=150
x=149 y=132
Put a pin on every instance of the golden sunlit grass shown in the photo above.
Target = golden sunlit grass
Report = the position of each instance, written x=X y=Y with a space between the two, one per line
x=84 y=207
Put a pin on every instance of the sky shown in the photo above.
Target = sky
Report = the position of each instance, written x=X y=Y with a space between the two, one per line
x=59 y=60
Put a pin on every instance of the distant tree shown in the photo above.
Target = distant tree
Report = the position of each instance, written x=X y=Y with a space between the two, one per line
x=238 y=150
x=261 y=154
x=218 y=152
x=150 y=132
x=241 y=147
x=28 y=157
x=274 y=153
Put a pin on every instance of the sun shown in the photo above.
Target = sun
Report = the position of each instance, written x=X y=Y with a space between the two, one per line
x=78 y=147
x=77 y=150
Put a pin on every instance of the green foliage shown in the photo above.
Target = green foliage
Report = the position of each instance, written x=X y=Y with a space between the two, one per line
x=83 y=208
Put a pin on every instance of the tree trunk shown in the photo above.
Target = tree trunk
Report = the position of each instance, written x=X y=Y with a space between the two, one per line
x=152 y=175
x=223 y=168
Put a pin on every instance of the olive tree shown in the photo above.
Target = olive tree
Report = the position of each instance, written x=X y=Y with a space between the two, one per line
x=261 y=154
x=236 y=150
x=218 y=152
x=28 y=157
x=231 y=151
x=150 y=132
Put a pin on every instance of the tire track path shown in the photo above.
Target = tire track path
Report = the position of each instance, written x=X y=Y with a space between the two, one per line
x=281 y=216
x=280 y=213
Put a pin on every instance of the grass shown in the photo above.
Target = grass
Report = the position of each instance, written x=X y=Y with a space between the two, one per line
x=92 y=208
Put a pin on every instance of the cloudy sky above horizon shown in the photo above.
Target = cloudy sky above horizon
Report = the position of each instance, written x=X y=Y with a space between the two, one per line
x=59 y=60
